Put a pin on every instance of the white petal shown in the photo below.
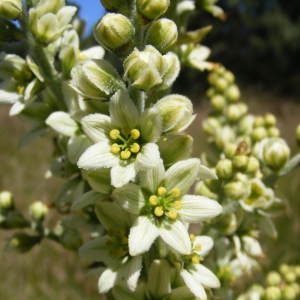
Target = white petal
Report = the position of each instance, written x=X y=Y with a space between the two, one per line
x=205 y=276
x=121 y=175
x=142 y=234
x=96 y=126
x=107 y=280
x=176 y=236
x=194 y=286
x=96 y=52
x=97 y=156
x=204 y=243
x=62 y=123
x=149 y=157
x=129 y=197
x=182 y=174
x=132 y=272
x=9 y=97
x=206 y=173
x=198 y=208
x=16 y=108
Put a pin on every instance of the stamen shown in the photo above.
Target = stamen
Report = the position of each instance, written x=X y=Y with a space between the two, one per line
x=135 y=134
x=161 y=191
x=195 y=259
x=135 y=148
x=173 y=214
x=192 y=237
x=114 y=134
x=175 y=192
x=153 y=200
x=158 y=211
x=125 y=154
x=115 y=148
x=177 y=204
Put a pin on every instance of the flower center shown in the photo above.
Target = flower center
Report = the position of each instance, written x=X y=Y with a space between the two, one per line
x=125 y=145
x=164 y=204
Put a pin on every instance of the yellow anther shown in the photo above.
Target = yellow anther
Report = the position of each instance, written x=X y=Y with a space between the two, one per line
x=21 y=90
x=175 y=192
x=135 y=148
x=115 y=148
x=192 y=237
x=158 y=211
x=195 y=259
x=125 y=154
x=198 y=247
x=114 y=134
x=135 y=134
x=161 y=191
x=173 y=214
x=177 y=204
x=153 y=200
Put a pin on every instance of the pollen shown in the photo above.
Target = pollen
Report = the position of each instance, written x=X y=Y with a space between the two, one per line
x=115 y=148
x=175 y=192
x=195 y=259
x=173 y=214
x=135 y=148
x=192 y=237
x=158 y=211
x=177 y=204
x=125 y=154
x=114 y=134
x=153 y=200
x=135 y=134
x=161 y=191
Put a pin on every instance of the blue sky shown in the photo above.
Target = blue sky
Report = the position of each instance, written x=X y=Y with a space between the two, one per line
x=91 y=11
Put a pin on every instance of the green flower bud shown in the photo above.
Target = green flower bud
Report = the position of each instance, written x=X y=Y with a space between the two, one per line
x=273 y=132
x=270 y=120
x=284 y=268
x=114 y=4
x=246 y=125
x=114 y=31
x=273 y=278
x=240 y=162
x=225 y=135
x=203 y=190
x=298 y=133
x=221 y=84
x=253 y=165
x=296 y=287
x=229 y=76
x=234 y=112
x=224 y=169
x=176 y=112
x=230 y=150
x=259 y=122
x=290 y=276
x=162 y=34
x=259 y=133
x=10 y=9
x=211 y=92
x=289 y=293
x=233 y=93
x=272 y=293
x=236 y=190
x=212 y=78
x=147 y=69
x=218 y=102
x=6 y=200
x=152 y=9
x=211 y=125
x=38 y=210
x=276 y=153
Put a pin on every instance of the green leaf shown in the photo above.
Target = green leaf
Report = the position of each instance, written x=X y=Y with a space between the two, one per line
x=87 y=199
x=290 y=165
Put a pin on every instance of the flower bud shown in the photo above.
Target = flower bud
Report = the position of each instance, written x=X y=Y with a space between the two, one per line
x=218 y=102
x=272 y=293
x=176 y=112
x=290 y=277
x=10 y=9
x=234 y=112
x=276 y=153
x=38 y=210
x=259 y=122
x=289 y=293
x=273 y=132
x=273 y=278
x=162 y=34
x=114 y=31
x=211 y=125
x=6 y=200
x=236 y=190
x=229 y=76
x=224 y=169
x=233 y=93
x=225 y=135
x=259 y=133
x=152 y=9
x=113 y=4
x=246 y=125
x=270 y=120
x=221 y=84
x=240 y=162
x=252 y=166
x=284 y=268
x=230 y=150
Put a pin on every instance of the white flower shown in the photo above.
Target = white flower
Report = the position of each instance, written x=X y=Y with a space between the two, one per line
x=162 y=206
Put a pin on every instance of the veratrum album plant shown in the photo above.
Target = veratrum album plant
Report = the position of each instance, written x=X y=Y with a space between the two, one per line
x=154 y=222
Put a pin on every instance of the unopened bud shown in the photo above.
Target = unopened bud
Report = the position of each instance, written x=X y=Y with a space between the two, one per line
x=270 y=120
x=10 y=9
x=234 y=112
x=218 y=102
x=152 y=9
x=246 y=125
x=229 y=76
x=38 y=210
x=114 y=31
x=211 y=125
x=273 y=278
x=240 y=162
x=253 y=165
x=230 y=150
x=273 y=132
x=162 y=34
x=259 y=133
x=272 y=293
x=203 y=190
x=233 y=93
x=113 y=4
x=259 y=121
x=221 y=84
x=276 y=153
x=236 y=190
x=290 y=276
x=224 y=169
x=289 y=293
x=6 y=200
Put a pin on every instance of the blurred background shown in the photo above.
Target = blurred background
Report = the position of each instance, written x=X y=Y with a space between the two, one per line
x=260 y=42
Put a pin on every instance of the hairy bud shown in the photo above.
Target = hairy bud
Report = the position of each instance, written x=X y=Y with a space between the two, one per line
x=224 y=169
x=10 y=9
x=152 y=9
